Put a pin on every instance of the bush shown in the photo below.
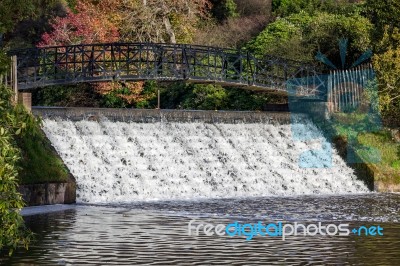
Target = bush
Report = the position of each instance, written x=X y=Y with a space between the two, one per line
x=300 y=36
x=325 y=30
x=282 y=38
x=113 y=99
x=214 y=97
x=13 y=122
x=67 y=96
x=129 y=94
x=224 y=9
x=284 y=8
x=207 y=97
x=104 y=94
x=385 y=15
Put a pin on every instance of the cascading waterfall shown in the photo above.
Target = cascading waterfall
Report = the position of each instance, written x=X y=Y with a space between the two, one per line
x=123 y=162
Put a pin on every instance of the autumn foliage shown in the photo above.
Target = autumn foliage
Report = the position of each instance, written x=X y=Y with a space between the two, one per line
x=130 y=92
x=127 y=20
x=88 y=24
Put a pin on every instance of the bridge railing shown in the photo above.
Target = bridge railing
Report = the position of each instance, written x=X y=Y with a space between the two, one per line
x=46 y=66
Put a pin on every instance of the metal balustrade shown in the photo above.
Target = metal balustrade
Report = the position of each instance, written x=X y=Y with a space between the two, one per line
x=40 y=67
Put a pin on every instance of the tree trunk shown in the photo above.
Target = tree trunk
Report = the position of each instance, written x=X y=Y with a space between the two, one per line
x=169 y=29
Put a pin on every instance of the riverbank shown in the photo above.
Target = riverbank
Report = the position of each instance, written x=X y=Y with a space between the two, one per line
x=370 y=149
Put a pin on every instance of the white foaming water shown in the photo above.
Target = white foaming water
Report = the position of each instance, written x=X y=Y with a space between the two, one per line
x=124 y=162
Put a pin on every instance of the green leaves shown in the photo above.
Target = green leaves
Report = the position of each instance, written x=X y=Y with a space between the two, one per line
x=300 y=36
x=383 y=14
x=288 y=7
x=13 y=122
x=224 y=9
x=4 y=61
x=283 y=38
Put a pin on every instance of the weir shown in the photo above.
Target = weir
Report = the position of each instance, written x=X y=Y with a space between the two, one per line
x=142 y=155
x=161 y=115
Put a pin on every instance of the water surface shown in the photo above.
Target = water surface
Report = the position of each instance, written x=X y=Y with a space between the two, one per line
x=156 y=233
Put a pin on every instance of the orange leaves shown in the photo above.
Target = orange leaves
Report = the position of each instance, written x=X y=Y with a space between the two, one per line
x=131 y=92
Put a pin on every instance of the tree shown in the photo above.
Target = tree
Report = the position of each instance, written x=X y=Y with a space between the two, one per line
x=248 y=8
x=300 y=36
x=22 y=22
x=387 y=67
x=14 y=121
x=283 y=8
x=207 y=97
x=127 y=94
x=325 y=30
x=385 y=15
x=28 y=32
x=222 y=10
x=13 y=11
x=283 y=38
x=89 y=24
x=232 y=32
x=160 y=21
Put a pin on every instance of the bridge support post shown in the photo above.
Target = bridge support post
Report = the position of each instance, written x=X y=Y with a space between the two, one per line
x=25 y=98
x=158 y=100
x=14 y=78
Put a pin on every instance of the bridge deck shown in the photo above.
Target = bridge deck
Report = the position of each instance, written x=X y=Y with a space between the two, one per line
x=72 y=64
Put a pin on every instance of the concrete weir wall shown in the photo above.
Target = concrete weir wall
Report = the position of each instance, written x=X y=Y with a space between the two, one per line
x=49 y=193
x=41 y=194
x=153 y=115
x=65 y=193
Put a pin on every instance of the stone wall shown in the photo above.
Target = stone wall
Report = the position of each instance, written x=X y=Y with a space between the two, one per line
x=315 y=109
x=49 y=193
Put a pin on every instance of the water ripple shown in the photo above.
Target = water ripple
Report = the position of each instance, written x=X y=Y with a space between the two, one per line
x=156 y=233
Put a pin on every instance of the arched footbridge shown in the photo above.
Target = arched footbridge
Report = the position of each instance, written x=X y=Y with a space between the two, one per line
x=62 y=65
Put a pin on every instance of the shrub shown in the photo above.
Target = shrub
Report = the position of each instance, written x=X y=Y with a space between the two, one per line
x=67 y=96
x=300 y=36
x=13 y=121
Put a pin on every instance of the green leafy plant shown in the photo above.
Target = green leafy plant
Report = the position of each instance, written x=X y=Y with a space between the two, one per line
x=396 y=165
x=287 y=7
x=300 y=36
x=13 y=122
x=112 y=100
x=39 y=161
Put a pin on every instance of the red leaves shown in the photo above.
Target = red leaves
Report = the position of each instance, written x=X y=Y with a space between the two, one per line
x=136 y=21
x=88 y=25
